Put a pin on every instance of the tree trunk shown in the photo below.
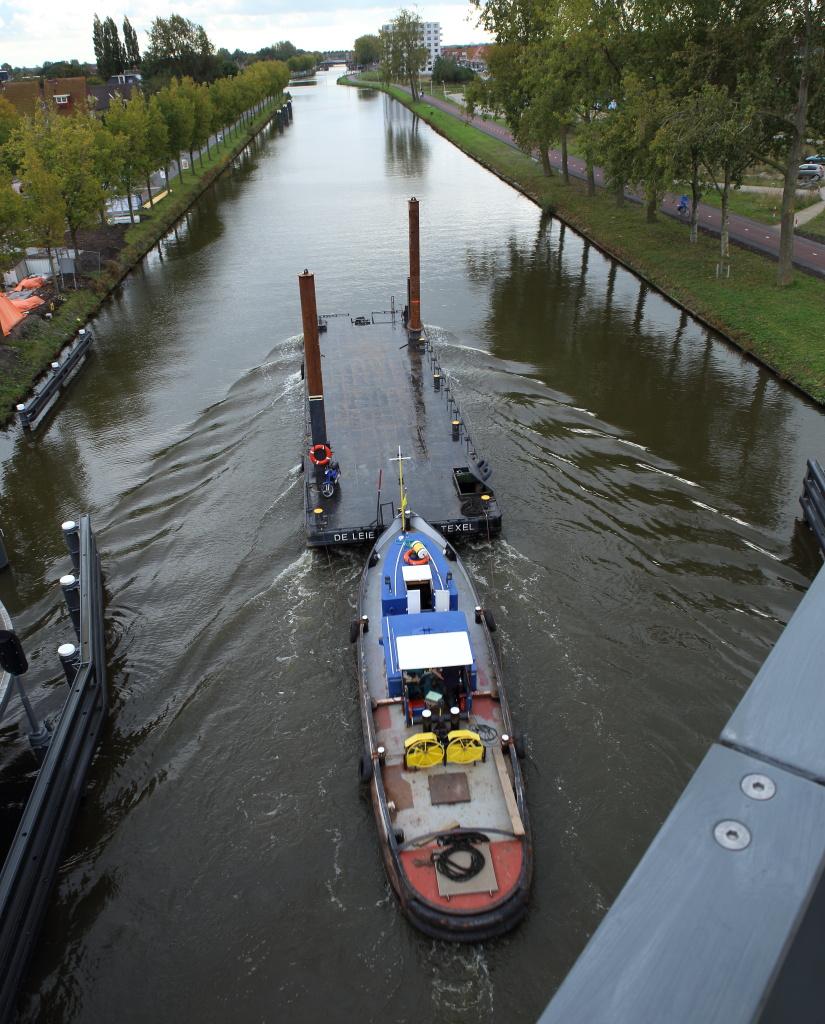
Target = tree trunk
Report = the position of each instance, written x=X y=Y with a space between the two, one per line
x=619 y=193
x=651 y=205
x=545 y=159
x=192 y=162
x=565 y=169
x=180 y=170
x=73 y=236
x=208 y=150
x=697 y=195
x=784 y=274
x=149 y=190
x=588 y=159
x=724 y=233
x=129 y=202
x=55 y=273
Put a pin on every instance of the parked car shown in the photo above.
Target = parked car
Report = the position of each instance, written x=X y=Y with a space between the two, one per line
x=808 y=179
x=818 y=169
x=814 y=160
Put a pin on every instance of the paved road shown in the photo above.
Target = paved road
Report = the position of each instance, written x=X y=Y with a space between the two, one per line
x=808 y=256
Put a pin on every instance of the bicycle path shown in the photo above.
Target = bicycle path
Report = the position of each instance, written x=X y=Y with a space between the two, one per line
x=763 y=238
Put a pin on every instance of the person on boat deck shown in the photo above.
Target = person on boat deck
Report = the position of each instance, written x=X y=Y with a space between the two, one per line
x=452 y=684
x=433 y=680
x=415 y=691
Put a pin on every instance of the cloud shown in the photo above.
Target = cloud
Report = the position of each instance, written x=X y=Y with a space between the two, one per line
x=65 y=32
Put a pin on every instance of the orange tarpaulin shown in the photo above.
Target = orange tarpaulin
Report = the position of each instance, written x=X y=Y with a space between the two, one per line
x=10 y=314
x=26 y=304
x=30 y=282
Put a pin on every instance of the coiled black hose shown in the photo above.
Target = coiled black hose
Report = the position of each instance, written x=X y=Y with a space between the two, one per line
x=463 y=843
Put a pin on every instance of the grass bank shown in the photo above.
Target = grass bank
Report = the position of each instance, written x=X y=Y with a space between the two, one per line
x=24 y=357
x=778 y=326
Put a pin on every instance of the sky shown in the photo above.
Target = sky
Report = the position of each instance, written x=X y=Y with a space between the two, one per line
x=55 y=30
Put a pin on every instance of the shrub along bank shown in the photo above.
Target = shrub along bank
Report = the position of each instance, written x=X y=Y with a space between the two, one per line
x=778 y=326
x=25 y=356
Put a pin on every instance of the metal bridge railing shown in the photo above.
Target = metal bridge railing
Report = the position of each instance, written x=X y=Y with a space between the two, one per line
x=722 y=921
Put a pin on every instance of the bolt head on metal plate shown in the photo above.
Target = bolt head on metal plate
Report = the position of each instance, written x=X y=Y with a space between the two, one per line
x=758 y=787
x=732 y=835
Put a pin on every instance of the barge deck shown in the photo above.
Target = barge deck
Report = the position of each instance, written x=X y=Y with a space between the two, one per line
x=374 y=383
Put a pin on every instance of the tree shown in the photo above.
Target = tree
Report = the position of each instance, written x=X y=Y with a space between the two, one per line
x=445 y=70
x=130 y=45
x=45 y=211
x=157 y=142
x=9 y=119
x=302 y=63
x=179 y=47
x=179 y=117
x=792 y=85
x=127 y=124
x=97 y=43
x=70 y=147
x=12 y=221
x=112 y=60
x=367 y=50
x=402 y=51
x=198 y=97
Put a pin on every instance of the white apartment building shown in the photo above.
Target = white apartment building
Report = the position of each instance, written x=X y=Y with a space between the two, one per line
x=431 y=38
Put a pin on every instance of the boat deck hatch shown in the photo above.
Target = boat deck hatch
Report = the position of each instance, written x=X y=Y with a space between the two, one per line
x=450 y=788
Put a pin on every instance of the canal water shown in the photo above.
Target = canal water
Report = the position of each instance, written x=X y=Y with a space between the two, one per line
x=225 y=866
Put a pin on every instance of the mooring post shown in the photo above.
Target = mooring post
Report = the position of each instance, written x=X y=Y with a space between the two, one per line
x=312 y=361
x=23 y=413
x=71 y=592
x=414 y=323
x=289 y=108
x=71 y=539
x=68 y=659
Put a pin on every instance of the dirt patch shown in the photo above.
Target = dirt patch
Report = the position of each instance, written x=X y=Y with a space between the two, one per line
x=108 y=241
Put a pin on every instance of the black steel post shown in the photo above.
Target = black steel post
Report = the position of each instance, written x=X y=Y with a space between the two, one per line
x=72 y=541
x=71 y=592
x=70 y=661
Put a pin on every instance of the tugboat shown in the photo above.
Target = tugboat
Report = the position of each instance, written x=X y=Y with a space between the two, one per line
x=441 y=756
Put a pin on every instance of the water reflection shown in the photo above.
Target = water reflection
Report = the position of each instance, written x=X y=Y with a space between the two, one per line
x=596 y=332
x=406 y=153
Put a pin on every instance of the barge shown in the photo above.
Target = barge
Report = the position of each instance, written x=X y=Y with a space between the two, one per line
x=383 y=386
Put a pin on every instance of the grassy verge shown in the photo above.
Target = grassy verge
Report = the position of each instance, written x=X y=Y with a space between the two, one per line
x=758 y=205
x=814 y=229
x=775 y=325
x=24 y=358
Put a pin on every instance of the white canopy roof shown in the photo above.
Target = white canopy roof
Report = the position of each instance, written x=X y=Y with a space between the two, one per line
x=433 y=650
x=413 y=573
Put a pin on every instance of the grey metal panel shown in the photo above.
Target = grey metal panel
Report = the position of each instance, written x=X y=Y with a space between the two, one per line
x=699 y=932
x=782 y=716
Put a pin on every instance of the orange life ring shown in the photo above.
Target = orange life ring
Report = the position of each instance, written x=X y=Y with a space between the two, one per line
x=417 y=554
x=325 y=454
